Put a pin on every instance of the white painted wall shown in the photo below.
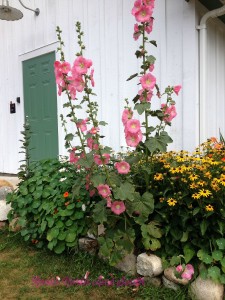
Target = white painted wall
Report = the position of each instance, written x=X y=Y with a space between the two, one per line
x=108 y=27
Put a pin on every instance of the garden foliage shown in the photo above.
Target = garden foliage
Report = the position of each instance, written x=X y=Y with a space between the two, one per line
x=147 y=199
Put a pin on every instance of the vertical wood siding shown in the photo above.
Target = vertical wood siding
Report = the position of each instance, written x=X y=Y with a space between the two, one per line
x=108 y=27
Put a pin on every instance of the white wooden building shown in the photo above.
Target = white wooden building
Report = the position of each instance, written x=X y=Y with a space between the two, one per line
x=108 y=27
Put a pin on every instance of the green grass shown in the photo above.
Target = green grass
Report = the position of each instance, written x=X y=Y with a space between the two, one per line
x=21 y=262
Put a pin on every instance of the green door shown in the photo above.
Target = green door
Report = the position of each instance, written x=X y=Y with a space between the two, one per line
x=40 y=105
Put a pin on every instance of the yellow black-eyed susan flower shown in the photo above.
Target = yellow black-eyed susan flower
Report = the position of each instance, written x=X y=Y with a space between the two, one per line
x=209 y=207
x=171 y=202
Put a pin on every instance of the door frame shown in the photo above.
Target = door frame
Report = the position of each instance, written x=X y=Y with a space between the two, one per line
x=52 y=47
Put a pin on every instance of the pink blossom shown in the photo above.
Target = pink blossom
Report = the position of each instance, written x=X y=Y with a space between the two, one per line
x=149 y=26
x=177 y=89
x=145 y=95
x=148 y=81
x=169 y=111
x=179 y=268
x=102 y=160
x=137 y=6
x=133 y=126
x=109 y=202
x=91 y=193
x=104 y=190
x=72 y=90
x=118 y=207
x=92 y=77
x=122 y=167
x=127 y=115
x=137 y=32
x=79 y=83
x=81 y=65
x=60 y=89
x=133 y=139
x=151 y=67
x=143 y=14
x=186 y=275
x=91 y=144
x=94 y=130
x=65 y=67
x=73 y=158
x=150 y=3
x=189 y=268
x=82 y=125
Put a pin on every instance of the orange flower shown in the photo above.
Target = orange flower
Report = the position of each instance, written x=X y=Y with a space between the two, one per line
x=66 y=194
x=223 y=158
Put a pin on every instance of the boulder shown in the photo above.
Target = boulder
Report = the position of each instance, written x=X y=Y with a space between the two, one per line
x=149 y=265
x=170 y=284
x=4 y=209
x=88 y=245
x=4 y=183
x=4 y=190
x=206 y=289
x=169 y=274
x=128 y=264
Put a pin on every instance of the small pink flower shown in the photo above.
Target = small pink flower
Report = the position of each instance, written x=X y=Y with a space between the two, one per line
x=104 y=160
x=73 y=158
x=151 y=67
x=137 y=6
x=133 y=139
x=189 y=268
x=137 y=32
x=65 y=67
x=133 y=126
x=109 y=202
x=145 y=95
x=127 y=115
x=122 y=167
x=72 y=90
x=149 y=26
x=94 y=130
x=82 y=125
x=179 y=268
x=143 y=14
x=177 y=89
x=91 y=144
x=104 y=190
x=92 y=77
x=118 y=207
x=79 y=83
x=169 y=111
x=91 y=193
x=186 y=275
x=81 y=65
x=148 y=81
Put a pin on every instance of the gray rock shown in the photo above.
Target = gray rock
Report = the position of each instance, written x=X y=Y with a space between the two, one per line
x=206 y=289
x=4 y=209
x=128 y=264
x=4 y=190
x=170 y=284
x=149 y=265
x=88 y=245
x=101 y=229
x=169 y=274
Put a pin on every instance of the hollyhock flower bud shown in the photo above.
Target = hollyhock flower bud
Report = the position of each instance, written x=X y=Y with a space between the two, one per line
x=104 y=190
x=149 y=26
x=177 y=89
x=179 y=268
x=127 y=115
x=137 y=32
x=122 y=167
x=118 y=207
x=148 y=81
x=92 y=78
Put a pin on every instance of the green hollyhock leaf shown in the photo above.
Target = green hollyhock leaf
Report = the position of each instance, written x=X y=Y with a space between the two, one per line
x=151 y=59
x=69 y=137
x=204 y=256
x=222 y=261
x=99 y=212
x=151 y=229
x=217 y=255
x=98 y=179
x=175 y=260
x=62 y=235
x=188 y=253
x=151 y=244
x=106 y=246
x=43 y=225
x=125 y=192
x=214 y=273
x=70 y=237
x=184 y=237
x=52 y=233
x=222 y=279
x=203 y=227
x=221 y=243
x=141 y=107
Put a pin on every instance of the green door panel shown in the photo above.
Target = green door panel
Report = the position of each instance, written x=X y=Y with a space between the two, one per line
x=40 y=105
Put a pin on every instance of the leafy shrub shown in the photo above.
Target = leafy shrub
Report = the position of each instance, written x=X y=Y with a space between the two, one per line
x=48 y=213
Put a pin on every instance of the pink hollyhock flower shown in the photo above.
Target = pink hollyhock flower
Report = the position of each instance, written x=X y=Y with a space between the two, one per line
x=91 y=193
x=104 y=190
x=94 y=130
x=186 y=275
x=177 y=89
x=104 y=160
x=79 y=83
x=169 y=111
x=92 y=77
x=148 y=81
x=143 y=14
x=60 y=89
x=149 y=26
x=137 y=32
x=133 y=139
x=72 y=90
x=179 y=268
x=118 y=207
x=91 y=144
x=81 y=66
x=137 y=6
x=127 y=115
x=189 y=268
x=145 y=95
x=150 y=3
x=73 y=158
x=133 y=126
x=122 y=167
x=65 y=67
x=82 y=125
